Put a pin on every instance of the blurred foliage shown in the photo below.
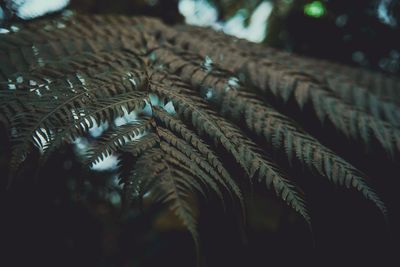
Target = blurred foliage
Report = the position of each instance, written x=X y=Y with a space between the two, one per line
x=357 y=32
x=167 y=10
x=228 y=8
x=314 y=9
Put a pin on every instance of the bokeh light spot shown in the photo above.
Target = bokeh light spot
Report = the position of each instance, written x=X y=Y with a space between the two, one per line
x=314 y=9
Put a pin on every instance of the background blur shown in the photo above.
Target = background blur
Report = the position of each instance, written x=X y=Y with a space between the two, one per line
x=357 y=32
x=70 y=217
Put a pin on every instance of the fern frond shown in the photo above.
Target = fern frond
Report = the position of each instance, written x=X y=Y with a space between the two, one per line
x=187 y=155
x=350 y=121
x=115 y=139
x=96 y=113
x=195 y=119
x=138 y=146
x=222 y=132
x=279 y=131
x=211 y=160
x=268 y=76
x=285 y=136
x=65 y=116
x=361 y=89
x=173 y=185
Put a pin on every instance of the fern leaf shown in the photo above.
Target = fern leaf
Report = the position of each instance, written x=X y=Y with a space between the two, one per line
x=57 y=83
x=174 y=186
x=269 y=76
x=208 y=155
x=241 y=148
x=279 y=131
x=115 y=139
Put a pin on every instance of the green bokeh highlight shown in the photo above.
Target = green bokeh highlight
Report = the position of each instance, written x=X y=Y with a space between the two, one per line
x=314 y=9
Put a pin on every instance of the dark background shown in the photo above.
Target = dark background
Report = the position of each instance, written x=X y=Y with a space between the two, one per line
x=66 y=216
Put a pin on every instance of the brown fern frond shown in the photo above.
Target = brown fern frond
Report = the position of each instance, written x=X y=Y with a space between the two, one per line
x=116 y=139
x=245 y=152
x=159 y=173
x=212 y=161
x=269 y=76
x=203 y=104
x=279 y=131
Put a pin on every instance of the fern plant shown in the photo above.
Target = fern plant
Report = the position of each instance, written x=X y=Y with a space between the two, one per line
x=195 y=103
